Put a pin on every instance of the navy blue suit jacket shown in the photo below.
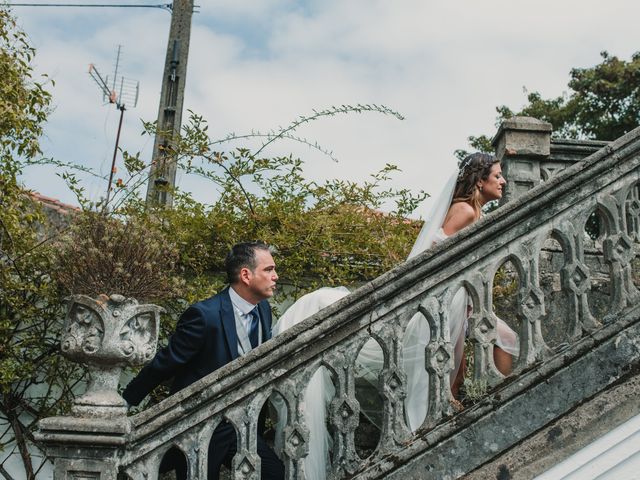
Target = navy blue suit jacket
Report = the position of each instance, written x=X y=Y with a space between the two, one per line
x=205 y=340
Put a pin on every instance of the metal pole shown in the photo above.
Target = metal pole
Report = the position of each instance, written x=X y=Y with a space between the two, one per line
x=115 y=153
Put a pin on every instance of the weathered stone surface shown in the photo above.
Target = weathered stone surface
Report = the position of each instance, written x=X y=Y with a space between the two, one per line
x=564 y=152
x=568 y=434
x=107 y=334
x=530 y=156
x=84 y=448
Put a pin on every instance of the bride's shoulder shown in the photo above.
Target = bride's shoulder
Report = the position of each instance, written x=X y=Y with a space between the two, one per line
x=462 y=210
x=460 y=215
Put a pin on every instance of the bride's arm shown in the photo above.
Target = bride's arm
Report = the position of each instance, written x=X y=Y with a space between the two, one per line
x=460 y=215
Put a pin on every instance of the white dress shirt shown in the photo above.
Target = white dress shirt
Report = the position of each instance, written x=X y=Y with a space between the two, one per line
x=242 y=310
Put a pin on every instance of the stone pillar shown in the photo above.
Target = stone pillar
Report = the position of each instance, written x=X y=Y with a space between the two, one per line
x=84 y=448
x=107 y=334
x=521 y=144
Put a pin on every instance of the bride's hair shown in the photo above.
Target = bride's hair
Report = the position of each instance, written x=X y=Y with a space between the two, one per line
x=473 y=168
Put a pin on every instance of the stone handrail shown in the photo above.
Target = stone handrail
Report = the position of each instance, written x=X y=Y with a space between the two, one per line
x=605 y=182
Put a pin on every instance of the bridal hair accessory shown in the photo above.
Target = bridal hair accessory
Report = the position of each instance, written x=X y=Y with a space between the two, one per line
x=463 y=166
x=486 y=160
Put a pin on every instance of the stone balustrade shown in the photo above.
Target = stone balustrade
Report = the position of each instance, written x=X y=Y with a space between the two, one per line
x=606 y=182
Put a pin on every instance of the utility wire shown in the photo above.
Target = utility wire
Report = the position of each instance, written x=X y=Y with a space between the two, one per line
x=165 y=6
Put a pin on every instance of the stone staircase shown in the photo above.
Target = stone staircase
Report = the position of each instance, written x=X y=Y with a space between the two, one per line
x=519 y=418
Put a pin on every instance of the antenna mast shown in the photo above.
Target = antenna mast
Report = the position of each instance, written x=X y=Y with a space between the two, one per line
x=162 y=176
x=126 y=95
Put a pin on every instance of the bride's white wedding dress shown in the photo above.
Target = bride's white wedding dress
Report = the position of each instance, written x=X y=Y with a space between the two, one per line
x=320 y=390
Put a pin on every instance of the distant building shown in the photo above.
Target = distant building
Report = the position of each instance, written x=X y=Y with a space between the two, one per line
x=58 y=214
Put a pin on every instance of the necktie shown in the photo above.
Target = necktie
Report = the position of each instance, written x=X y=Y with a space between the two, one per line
x=254 y=327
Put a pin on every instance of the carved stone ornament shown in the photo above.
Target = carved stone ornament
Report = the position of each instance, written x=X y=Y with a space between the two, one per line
x=108 y=333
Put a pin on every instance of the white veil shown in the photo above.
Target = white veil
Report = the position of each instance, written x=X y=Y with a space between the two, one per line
x=435 y=217
x=319 y=391
x=417 y=333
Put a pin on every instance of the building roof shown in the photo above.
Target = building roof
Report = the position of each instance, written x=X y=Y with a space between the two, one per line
x=53 y=204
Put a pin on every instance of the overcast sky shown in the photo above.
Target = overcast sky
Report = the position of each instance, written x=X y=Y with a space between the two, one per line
x=258 y=64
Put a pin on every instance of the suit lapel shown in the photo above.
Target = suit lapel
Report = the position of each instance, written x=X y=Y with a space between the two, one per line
x=229 y=323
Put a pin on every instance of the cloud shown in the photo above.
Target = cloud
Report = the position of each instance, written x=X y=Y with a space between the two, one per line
x=260 y=64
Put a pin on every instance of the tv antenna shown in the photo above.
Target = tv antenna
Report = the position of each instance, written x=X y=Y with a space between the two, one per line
x=122 y=93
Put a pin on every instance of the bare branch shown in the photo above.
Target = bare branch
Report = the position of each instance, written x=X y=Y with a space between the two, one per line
x=5 y=474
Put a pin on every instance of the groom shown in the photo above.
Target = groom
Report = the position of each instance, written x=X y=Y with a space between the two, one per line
x=209 y=335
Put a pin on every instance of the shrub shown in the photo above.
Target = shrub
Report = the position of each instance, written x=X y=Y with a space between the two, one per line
x=100 y=254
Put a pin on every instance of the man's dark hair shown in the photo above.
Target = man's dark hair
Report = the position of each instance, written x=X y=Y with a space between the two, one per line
x=242 y=255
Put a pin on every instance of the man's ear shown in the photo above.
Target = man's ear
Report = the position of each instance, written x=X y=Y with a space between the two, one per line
x=245 y=275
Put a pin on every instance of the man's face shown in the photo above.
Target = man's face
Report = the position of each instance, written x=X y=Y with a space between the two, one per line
x=261 y=282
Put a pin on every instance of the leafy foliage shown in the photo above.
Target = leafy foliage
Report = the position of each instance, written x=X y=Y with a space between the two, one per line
x=474 y=390
x=24 y=102
x=603 y=103
x=34 y=382
x=325 y=233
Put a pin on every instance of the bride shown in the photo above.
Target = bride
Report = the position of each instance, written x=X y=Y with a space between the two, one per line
x=478 y=181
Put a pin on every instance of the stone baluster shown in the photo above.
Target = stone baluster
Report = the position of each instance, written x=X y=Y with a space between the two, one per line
x=295 y=437
x=344 y=410
x=531 y=306
x=439 y=357
x=482 y=328
x=632 y=211
x=627 y=199
x=618 y=253
x=392 y=387
x=107 y=334
x=575 y=279
x=196 y=447
x=246 y=462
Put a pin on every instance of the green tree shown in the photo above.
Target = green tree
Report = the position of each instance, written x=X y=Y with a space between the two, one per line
x=33 y=381
x=603 y=103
